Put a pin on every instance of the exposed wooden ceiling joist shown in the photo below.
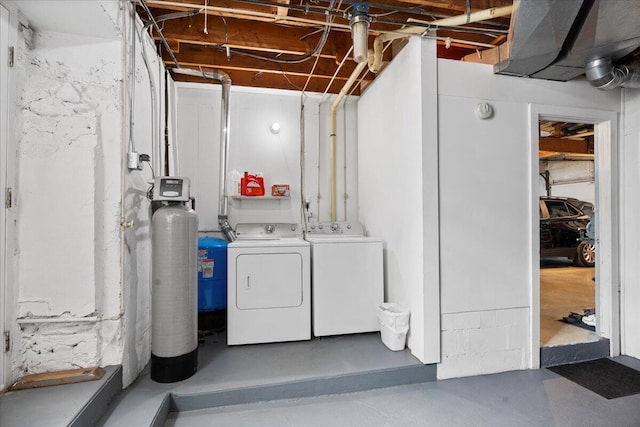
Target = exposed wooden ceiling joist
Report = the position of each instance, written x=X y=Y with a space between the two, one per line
x=258 y=36
x=273 y=81
x=192 y=56
x=285 y=29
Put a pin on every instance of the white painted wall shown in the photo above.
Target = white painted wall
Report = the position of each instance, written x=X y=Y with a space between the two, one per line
x=68 y=203
x=630 y=225
x=486 y=259
x=198 y=145
x=93 y=18
x=398 y=186
x=253 y=148
x=77 y=275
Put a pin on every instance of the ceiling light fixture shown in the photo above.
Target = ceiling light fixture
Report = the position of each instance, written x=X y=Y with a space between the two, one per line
x=359 y=23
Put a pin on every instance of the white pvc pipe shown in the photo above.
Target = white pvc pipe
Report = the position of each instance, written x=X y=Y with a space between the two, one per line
x=332 y=135
x=375 y=56
x=456 y=21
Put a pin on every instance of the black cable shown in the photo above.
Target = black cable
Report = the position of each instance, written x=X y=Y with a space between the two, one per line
x=153 y=173
x=318 y=48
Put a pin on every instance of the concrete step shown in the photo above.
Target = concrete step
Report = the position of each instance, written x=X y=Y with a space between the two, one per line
x=75 y=405
x=562 y=354
x=171 y=402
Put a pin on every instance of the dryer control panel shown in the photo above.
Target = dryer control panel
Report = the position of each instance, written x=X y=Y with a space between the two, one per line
x=268 y=231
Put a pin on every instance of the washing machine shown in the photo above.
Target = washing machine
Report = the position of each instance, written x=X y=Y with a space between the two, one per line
x=347 y=278
x=268 y=286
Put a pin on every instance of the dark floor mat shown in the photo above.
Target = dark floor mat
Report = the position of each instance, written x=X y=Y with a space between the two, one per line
x=605 y=377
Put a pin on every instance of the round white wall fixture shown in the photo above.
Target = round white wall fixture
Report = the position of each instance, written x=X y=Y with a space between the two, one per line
x=274 y=128
x=484 y=110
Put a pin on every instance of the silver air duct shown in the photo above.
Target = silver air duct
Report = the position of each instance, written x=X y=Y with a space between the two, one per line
x=223 y=217
x=554 y=39
x=602 y=74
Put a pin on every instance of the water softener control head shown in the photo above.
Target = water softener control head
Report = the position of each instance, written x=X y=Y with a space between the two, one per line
x=171 y=189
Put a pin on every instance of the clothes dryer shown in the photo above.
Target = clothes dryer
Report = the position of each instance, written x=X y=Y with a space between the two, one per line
x=269 y=293
x=347 y=279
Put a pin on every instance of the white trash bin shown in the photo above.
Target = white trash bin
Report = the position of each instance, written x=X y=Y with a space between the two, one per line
x=394 y=325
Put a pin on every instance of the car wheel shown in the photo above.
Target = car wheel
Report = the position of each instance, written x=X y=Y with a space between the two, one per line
x=586 y=256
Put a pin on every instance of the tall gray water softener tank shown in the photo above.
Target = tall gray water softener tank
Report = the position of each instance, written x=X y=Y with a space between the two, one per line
x=174 y=296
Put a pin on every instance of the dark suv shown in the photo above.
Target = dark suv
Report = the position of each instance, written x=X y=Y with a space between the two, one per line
x=562 y=226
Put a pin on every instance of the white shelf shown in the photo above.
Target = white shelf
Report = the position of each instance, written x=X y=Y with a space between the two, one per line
x=260 y=197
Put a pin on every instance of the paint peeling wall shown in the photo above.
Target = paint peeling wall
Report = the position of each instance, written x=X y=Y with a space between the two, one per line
x=83 y=281
x=68 y=203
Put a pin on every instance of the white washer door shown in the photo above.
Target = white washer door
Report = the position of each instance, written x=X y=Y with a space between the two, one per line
x=268 y=281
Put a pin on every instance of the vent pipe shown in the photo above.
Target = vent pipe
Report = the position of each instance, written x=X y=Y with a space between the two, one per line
x=223 y=217
x=375 y=54
x=602 y=74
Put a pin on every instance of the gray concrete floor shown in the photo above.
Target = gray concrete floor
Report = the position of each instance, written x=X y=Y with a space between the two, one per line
x=249 y=366
x=50 y=406
x=523 y=398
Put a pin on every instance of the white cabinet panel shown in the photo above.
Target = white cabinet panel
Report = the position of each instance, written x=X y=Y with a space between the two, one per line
x=347 y=287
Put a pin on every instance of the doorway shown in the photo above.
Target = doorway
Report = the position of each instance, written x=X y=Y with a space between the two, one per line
x=567 y=245
x=605 y=270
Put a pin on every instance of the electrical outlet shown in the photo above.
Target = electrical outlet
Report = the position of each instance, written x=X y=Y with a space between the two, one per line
x=133 y=161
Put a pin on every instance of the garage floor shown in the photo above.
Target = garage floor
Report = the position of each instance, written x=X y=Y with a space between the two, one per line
x=564 y=288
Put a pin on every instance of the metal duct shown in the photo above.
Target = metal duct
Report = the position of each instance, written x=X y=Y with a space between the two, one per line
x=223 y=217
x=600 y=29
x=602 y=74
x=537 y=34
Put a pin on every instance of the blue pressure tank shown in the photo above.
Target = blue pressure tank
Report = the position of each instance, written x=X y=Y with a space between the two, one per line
x=212 y=274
